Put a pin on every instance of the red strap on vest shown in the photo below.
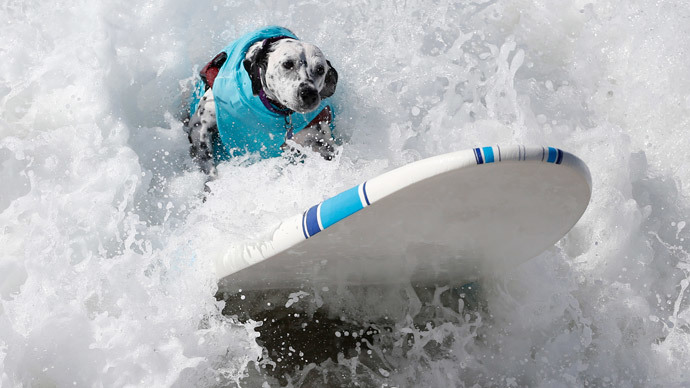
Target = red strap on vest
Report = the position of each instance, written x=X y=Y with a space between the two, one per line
x=210 y=71
x=323 y=117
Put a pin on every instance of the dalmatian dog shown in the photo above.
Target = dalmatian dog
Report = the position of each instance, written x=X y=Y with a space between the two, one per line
x=287 y=75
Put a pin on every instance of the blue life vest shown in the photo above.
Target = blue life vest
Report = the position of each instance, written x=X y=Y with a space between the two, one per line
x=244 y=123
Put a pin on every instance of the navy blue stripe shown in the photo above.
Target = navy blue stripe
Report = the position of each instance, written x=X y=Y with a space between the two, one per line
x=499 y=152
x=304 y=221
x=478 y=155
x=364 y=190
x=312 y=221
x=543 y=153
x=560 y=156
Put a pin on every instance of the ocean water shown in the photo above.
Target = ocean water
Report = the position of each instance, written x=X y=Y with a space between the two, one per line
x=102 y=212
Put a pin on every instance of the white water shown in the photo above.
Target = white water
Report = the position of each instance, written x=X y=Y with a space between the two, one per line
x=100 y=207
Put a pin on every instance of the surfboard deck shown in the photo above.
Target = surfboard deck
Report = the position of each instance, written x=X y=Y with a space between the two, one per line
x=450 y=218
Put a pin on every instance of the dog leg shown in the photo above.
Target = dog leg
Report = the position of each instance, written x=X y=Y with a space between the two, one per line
x=317 y=137
x=200 y=130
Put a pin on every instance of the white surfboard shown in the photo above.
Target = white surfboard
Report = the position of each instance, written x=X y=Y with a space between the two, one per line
x=454 y=217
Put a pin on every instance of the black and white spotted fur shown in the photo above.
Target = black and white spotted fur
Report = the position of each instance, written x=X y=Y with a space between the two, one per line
x=294 y=75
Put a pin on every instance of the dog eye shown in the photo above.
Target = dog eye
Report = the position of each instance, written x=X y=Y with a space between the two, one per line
x=320 y=70
x=288 y=64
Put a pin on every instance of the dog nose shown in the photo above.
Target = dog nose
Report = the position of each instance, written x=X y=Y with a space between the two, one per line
x=308 y=94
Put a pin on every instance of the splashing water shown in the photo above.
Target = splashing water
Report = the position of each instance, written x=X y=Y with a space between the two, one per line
x=101 y=214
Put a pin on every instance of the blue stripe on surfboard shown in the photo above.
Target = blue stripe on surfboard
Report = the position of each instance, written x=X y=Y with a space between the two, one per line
x=312 y=221
x=560 y=156
x=553 y=155
x=478 y=156
x=364 y=190
x=342 y=205
x=488 y=154
x=304 y=225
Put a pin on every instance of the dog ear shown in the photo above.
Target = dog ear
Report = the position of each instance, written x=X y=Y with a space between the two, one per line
x=330 y=82
x=252 y=66
x=257 y=60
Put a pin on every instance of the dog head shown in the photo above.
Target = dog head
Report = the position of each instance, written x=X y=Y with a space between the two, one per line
x=292 y=73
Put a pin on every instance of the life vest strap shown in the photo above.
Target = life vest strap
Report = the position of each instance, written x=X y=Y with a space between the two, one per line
x=210 y=71
x=325 y=116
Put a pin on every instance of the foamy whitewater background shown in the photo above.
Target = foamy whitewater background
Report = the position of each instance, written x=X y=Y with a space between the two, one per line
x=101 y=210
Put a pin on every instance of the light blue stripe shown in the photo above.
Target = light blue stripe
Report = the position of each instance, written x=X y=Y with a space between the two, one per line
x=488 y=154
x=553 y=154
x=342 y=205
